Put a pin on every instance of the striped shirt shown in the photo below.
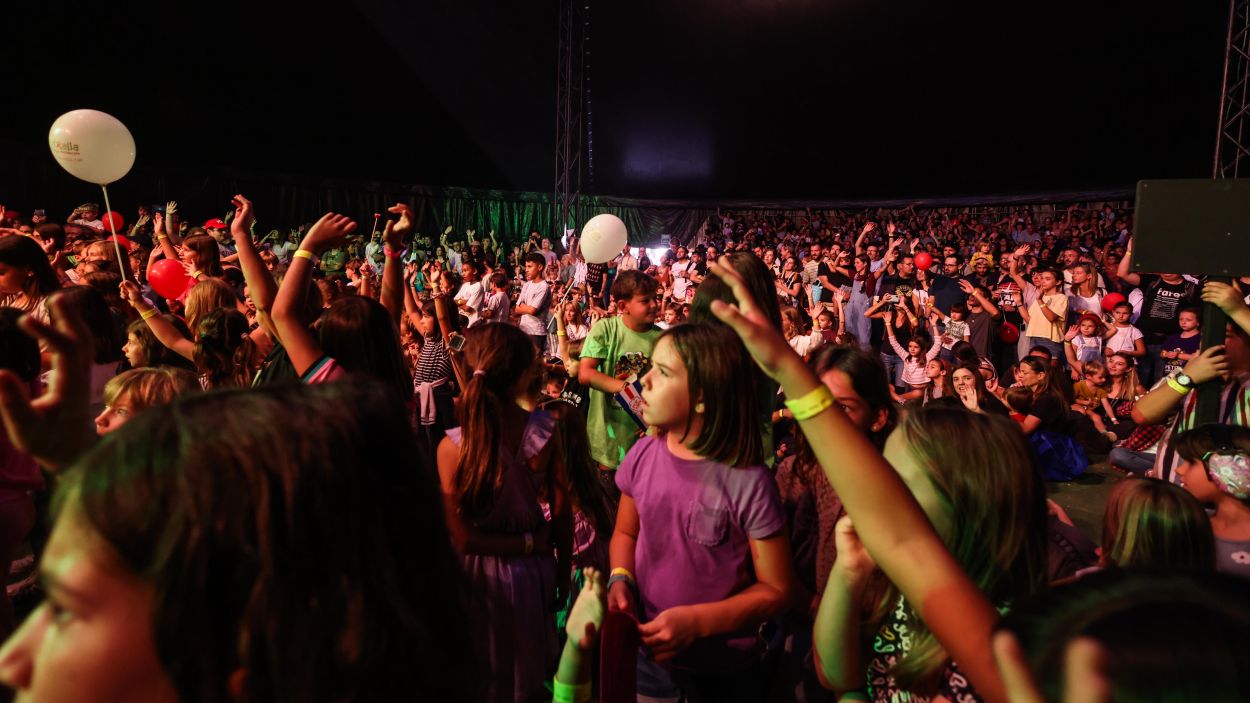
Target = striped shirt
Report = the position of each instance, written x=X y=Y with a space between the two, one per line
x=1234 y=410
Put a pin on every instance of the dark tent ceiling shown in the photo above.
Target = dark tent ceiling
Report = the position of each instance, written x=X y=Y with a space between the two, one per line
x=697 y=98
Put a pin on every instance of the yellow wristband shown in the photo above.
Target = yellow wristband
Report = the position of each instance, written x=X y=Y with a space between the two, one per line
x=150 y=312
x=812 y=404
x=561 y=333
x=1178 y=387
x=622 y=571
x=305 y=254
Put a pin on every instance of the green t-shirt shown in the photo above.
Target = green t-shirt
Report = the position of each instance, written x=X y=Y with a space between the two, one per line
x=609 y=427
x=334 y=261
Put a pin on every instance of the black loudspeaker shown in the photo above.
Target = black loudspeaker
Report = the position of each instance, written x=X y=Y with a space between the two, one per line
x=1198 y=226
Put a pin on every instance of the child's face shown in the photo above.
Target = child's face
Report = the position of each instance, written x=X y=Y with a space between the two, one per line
x=670 y=316
x=1188 y=322
x=1096 y=378
x=1121 y=315
x=1087 y=328
x=664 y=389
x=913 y=348
x=825 y=321
x=957 y=315
x=133 y=349
x=1195 y=480
x=640 y=309
x=933 y=369
x=114 y=416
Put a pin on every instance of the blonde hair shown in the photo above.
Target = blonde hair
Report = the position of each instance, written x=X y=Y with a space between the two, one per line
x=150 y=386
x=205 y=296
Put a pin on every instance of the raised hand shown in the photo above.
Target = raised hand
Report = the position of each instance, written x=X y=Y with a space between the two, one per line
x=244 y=216
x=130 y=293
x=761 y=339
x=394 y=232
x=1223 y=295
x=55 y=427
x=171 y=207
x=330 y=231
x=586 y=616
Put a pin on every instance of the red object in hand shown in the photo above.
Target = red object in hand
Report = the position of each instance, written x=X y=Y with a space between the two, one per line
x=115 y=218
x=168 y=278
x=923 y=260
x=1110 y=301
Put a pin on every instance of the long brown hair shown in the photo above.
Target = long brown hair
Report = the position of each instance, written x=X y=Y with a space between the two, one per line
x=208 y=255
x=208 y=294
x=1039 y=366
x=995 y=500
x=500 y=355
x=720 y=374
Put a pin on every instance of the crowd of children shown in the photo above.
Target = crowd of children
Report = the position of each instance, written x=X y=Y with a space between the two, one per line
x=811 y=468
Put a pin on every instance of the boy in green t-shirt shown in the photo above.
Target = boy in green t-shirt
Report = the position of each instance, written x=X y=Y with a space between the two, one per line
x=625 y=340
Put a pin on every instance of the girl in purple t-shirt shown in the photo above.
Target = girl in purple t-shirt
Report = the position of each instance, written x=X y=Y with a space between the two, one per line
x=699 y=552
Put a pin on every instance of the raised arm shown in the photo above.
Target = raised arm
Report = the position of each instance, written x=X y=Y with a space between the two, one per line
x=260 y=283
x=393 y=235
x=164 y=330
x=1125 y=270
x=887 y=517
x=288 y=307
x=162 y=239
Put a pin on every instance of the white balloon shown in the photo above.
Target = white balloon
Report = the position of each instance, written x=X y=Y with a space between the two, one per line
x=92 y=145
x=603 y=237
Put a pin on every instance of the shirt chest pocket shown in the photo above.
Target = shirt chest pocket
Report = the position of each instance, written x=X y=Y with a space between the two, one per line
x=706 y=526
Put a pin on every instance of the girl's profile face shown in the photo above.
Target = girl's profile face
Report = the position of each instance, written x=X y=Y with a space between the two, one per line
x=1028 y=376
x=114 y=416
x=665 y=390
x=91 y=638
x=1195 y=480
x=134 y=351
x=933 y=369
x=1097 y=377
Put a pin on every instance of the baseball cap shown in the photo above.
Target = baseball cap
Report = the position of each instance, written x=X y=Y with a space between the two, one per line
x=215 y=223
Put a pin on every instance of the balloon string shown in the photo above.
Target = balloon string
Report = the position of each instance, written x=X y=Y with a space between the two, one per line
x=113 y=226
x=374 y=233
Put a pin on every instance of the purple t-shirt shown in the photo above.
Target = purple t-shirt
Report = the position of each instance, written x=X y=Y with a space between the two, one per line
x=696 y=520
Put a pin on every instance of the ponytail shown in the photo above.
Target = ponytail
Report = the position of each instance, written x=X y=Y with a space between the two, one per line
x=500 y=355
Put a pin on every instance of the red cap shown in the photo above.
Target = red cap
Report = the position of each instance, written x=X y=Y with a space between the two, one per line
x=1087 y=315
x=215 y=223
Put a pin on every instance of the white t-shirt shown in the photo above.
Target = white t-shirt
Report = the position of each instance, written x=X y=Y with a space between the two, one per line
x=680 y=283
x=536 y=294
x=472 y=295
x=498 y=304
x=1124 y=339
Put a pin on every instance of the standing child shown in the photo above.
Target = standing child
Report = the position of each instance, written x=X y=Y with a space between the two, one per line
x=915 y=358
x=957 y=329
x=617 y=341
x=700 y=528
x=1184 y=345
x=498 y=307
x=1083 y=343
x=1122 y=336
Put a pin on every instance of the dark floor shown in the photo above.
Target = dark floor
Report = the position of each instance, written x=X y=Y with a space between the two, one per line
x=1084 y=498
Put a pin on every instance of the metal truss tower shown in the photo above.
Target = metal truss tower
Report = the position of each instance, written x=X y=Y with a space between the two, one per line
x=572 y=113
x=1232 y=145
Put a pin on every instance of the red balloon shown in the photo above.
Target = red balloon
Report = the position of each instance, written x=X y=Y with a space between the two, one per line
x=117 y=219
x=1110 y=301
x=125 y=243
x=923 y=260
x=168 y=278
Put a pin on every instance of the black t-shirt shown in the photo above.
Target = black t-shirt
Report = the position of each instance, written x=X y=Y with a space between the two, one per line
x=1161 y=306
x=1049 y=408
x=837 y=278
x=594 y=276
x=981 y=327
x=945 y=292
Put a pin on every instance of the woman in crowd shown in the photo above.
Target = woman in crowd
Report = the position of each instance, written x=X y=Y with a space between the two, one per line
x=26 y=278
x=1061 y=458
x=131 y=392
